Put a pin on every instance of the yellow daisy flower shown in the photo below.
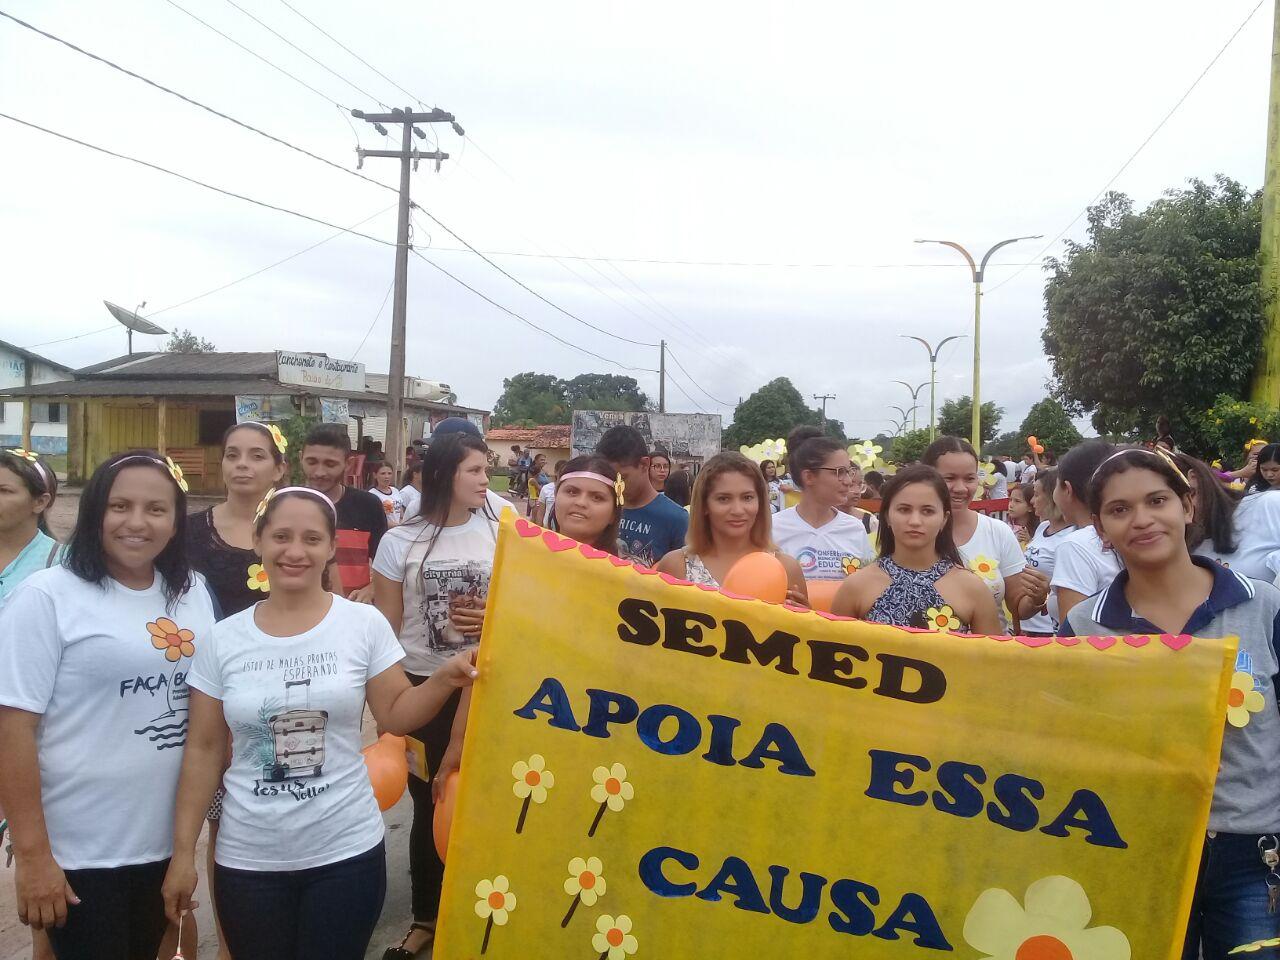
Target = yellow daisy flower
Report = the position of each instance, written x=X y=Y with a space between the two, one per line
x=1243 y=699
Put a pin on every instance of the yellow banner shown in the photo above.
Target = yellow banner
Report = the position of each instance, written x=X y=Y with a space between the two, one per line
x=655 y=769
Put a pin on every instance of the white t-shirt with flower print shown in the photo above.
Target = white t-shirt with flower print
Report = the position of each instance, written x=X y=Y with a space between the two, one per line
x=105 y=667
x=993 y=553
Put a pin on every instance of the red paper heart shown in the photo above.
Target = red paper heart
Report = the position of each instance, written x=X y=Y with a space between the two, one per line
x=1102 y=643
x=1034 y=641
x=674 y=581
x=527 y=529
x=619 y=561
x=1175 y=642
x=1137 y=641
x=1068 y=641
x=590 y=552
x=556 y=542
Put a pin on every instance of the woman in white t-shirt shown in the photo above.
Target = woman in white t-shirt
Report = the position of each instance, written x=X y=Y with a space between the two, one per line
x=1084 y=565
x=300 y=862
x=986 y=545
x=828 y=544
x=431 y=581
x=384 y=488
x=94 y=654
x=1241 y=534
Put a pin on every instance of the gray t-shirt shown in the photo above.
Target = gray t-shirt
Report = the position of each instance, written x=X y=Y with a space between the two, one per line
x=1246 y=797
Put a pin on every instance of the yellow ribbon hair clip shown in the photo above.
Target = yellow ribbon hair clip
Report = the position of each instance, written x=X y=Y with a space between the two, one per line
x=175 y=471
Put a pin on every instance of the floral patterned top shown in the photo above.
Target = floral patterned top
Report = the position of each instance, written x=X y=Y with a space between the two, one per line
x=912 y=599
x=695 y=571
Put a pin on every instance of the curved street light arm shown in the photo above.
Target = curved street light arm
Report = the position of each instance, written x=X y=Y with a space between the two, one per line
x=981 y=270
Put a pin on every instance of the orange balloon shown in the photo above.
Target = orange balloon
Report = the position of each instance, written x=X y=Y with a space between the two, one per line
x=443 y=818
x=822 y=593
x=760 y=575
x=388 y=770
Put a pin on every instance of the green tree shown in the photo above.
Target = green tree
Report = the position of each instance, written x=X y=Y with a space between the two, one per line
x=910 y=447
x=772 y=411
x=605 y=391
x=1011 y=444
x=1049 y=422
x=955 y=419
x=184 y=341
x=530 y=400
x=1158 y=312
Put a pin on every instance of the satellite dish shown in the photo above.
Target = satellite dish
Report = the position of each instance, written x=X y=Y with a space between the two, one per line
x=132 y=321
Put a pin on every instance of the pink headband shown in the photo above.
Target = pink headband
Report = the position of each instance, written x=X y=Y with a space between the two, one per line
x=34 y=460
x=616 y=485
x=306 y=491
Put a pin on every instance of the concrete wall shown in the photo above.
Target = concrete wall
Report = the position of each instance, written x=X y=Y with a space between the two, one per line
x=48 y=432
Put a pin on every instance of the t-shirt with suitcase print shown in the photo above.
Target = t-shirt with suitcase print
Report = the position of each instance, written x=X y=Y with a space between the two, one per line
x=297 y=791
x=456 y=572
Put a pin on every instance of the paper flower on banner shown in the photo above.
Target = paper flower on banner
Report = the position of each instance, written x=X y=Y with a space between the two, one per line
x=774 y=449
x=1052 y=924
x=885 y=467
x=864 y=452
x=987 y=474
x=175 y=471
x=174 y=641
x=1237 y=484
x=585 y=884
x=942 y=619
x=613 y=939
x=985 y=567
x=1255 y=946
x=495 y=903
x=258 y=579
x=611 y=791
x=1243 y=699
x=532 y=781
x=282 y=444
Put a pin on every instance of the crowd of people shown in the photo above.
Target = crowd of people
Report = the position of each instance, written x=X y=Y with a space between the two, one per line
x=162 y=671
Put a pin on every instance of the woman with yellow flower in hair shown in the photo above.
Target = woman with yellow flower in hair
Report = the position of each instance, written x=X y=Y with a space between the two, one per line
x=220 y=541
x=919 y=580
x=94 y=653
x=1143 y=508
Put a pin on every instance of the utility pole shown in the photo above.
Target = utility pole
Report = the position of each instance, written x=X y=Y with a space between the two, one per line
x=662 y=376
x=408 y=156
x=1266 y=375
x=823 y=398
x=933 y=377
x=978 y=271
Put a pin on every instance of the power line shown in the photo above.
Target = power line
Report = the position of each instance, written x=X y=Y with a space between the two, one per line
x=196 y=103
x=676 y=383
x=350 y=51
x=527 y=322
x=317 y=62
x=192 y=180
x=374 y=321
x=250 y=276
x=323 y=96
x=520 y=283
x=672 y=355
x=1151 y=136
x=78 y=336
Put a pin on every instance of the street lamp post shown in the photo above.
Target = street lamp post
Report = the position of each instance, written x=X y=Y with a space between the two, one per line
x=915 y=399
x=933 y=377
x=978 y=269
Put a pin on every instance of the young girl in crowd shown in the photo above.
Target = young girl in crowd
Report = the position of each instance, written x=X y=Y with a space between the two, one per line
x=987 y=546
x=1141 y=503
x=1083 y=566
x=94 y=653
x=828 y=544
x=1022 y=514
x=220 y=539
x=411 y=492
x=220 y=545
x=1240 y=533
x=729 y=517
x=431 y=580
x=857 y=490
x=586 y=506
x=28 y=488
x=770 y=470
x=920 y=579
x=679 y=488
x=300 y=862
x=659 y=470
x=384 y=488
x=1042 y=551
x=1267 y=470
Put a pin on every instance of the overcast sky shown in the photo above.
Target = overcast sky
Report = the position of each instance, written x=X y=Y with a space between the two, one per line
x=773 y=133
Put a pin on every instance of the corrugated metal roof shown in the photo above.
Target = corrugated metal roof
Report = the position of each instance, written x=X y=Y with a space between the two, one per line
x=27 y=354
x=201 y=365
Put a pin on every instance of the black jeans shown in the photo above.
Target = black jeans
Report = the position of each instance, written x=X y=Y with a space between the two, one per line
x=120 y=915
x=426 y=870
x=327 y=911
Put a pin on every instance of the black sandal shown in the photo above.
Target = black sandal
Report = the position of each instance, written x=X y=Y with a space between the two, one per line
x=400 y=953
